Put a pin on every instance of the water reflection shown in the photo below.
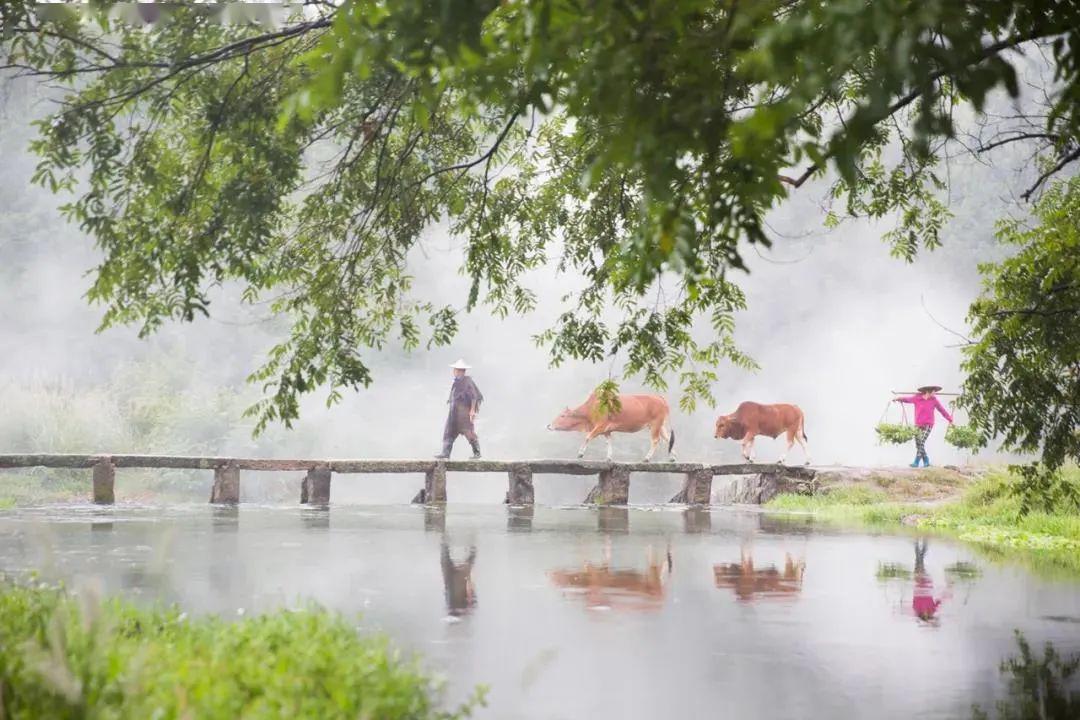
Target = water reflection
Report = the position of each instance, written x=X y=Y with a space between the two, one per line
x=751 y=583
x=697 y=520
x=434 y=519
x=457 y=581
x=837 y=649
x=520 y=519
x=613 y=520
x=1039 y=689
x=316 y=518
x=925 y=603
x=226 y=518
x=606 y=588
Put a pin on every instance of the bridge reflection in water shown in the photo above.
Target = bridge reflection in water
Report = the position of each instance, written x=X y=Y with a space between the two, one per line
x=751 y=583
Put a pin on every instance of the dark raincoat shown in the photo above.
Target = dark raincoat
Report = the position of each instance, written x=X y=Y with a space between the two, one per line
x=463 y=395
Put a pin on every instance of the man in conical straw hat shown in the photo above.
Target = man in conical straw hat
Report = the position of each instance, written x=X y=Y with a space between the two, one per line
x=464 y=402
x=925 y=403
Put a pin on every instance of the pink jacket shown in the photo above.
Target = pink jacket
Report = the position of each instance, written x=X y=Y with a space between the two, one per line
x=924 y=409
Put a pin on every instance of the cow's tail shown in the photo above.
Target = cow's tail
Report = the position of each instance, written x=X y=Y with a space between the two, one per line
x=802 y=429
x=671 y=440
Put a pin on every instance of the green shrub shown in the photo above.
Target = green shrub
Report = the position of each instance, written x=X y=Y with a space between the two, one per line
x=894 y=434
x=65 y=657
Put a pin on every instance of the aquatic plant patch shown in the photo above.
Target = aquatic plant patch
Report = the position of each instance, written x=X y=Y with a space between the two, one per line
x=64 y=656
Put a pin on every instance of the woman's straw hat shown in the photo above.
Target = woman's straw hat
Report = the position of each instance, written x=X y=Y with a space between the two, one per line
x=930 y=388
x=462 y=365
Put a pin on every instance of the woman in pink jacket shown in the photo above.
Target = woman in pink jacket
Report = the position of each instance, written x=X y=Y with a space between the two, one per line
x=926 y=403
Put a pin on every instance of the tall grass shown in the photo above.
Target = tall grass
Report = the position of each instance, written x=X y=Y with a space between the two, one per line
x=64 y=657
x=987 y=514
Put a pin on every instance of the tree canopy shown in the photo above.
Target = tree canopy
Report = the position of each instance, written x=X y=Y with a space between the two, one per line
x=1023 y=365
x=638 y=145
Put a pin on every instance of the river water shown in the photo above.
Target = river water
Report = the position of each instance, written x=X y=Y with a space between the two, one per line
x=572 y=612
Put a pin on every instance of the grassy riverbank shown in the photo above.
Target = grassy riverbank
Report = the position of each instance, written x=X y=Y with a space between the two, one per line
x=983 y=512
x=65 y=656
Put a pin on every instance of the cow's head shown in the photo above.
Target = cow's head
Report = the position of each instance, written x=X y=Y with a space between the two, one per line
x=570 y=420
x=728 y=427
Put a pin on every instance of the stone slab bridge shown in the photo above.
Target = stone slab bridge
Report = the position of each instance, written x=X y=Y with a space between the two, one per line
x=612 y=487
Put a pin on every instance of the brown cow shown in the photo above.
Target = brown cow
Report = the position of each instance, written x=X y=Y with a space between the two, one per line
x=751 y=419
x=636 y=412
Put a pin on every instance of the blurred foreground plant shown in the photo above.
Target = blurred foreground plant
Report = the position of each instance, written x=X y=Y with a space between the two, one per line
x=64 y=657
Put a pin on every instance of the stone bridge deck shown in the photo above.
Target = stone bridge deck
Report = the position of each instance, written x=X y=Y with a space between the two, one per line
x=612 y=488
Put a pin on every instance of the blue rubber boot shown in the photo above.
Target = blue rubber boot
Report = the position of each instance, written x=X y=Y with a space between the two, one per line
x=916 y=463
x=926 y=461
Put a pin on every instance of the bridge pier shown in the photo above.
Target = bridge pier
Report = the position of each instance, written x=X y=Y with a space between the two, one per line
x=521 y=486
x=435 y=484
x=697 y=489
x=315 y=489
x=612 y=488
x=226 y=490
x=104 y=481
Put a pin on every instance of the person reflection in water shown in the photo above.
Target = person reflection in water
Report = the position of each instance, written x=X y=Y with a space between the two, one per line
x=457 y=582
x=923 y=603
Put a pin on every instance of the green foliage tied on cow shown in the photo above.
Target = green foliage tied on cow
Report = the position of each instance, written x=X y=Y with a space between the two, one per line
x=608 y=402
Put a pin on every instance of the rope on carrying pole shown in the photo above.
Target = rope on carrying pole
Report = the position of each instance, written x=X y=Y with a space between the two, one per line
x=885 y=413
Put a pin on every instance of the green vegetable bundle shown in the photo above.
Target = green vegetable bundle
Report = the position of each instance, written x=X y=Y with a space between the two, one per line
x=964 y=437
x=895 y=434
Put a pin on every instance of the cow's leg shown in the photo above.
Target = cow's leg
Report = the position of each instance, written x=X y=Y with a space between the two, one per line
x=805 y=449
x=748 y=448
x=610 y=451
x=588 y=439
x=790 y=444
x=654 y=440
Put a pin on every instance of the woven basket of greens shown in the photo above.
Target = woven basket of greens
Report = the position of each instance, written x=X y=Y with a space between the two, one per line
x=894 y=433
x=964 y=437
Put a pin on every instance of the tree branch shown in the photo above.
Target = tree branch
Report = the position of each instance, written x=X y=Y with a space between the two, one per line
x=473 y=163
x=1071 y=157
x=1016 y=138
x=902 y=102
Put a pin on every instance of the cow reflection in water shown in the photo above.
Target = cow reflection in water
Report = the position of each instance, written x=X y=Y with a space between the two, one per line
x=604 y=587
x=750 y=583
x=457 y=581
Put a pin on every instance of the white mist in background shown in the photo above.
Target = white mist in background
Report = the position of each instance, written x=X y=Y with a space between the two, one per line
x=834 y=322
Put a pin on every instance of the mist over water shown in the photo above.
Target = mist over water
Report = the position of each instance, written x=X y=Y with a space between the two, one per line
x=834 y=322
